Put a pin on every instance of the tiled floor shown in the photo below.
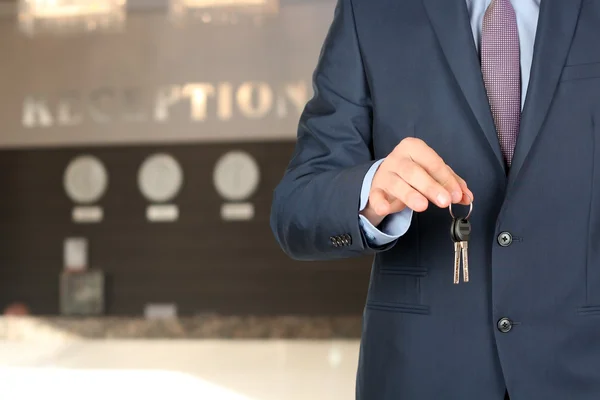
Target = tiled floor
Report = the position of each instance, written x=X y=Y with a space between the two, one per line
x=153 y=370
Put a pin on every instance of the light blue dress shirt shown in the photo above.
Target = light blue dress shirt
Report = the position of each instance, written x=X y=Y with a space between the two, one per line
x=527 y=11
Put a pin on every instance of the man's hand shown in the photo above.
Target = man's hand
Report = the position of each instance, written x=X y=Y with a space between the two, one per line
x=412 y=176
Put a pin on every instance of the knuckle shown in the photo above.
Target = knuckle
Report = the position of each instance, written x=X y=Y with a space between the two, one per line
x=432 y=190
x=456 y=181
x=415 y=199
x=456 y=185
x=409 y=142
x=449 y=181
x=406 y=164
x=441 y=169
x=402 y=163
x=409 y=173
x=390 y=163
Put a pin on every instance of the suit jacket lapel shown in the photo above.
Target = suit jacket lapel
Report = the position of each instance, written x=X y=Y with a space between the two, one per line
x=450 y=20
x=556 y=27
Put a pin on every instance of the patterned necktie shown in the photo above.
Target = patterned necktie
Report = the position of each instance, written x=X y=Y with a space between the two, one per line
x=502 y=73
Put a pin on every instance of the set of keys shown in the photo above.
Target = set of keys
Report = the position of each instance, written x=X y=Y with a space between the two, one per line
x=460 y=232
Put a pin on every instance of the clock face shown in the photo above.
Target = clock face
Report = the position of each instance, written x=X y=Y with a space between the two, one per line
x=236 y=176
x=160 y=178
x=85 y=179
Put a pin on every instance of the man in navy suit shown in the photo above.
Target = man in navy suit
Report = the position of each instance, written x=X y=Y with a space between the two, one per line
x=420 y=104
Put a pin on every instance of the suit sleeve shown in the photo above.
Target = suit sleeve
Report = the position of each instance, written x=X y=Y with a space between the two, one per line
x=314 y=213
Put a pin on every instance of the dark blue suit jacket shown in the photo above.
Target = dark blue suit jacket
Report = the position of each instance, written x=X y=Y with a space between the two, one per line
x=392 y=69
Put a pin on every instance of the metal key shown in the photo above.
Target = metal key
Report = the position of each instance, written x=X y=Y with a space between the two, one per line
x=457 y=251
x=460 y=233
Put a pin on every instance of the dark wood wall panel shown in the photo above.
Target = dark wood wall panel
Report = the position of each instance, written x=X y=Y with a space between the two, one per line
x=201 y=263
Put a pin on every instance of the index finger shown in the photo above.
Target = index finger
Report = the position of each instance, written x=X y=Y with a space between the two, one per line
x=435 y=166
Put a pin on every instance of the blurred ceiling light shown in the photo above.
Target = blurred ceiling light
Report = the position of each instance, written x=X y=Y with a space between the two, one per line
x=37 y=16
x=221 y=11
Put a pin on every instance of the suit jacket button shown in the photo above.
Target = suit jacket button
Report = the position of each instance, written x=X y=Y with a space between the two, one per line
x=505 y=325
x=505 y=239
x=334 y=241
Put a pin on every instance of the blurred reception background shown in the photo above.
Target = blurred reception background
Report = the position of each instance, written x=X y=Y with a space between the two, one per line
x=140 y=143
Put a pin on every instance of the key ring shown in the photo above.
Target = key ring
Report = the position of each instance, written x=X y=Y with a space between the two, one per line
x=470 y=209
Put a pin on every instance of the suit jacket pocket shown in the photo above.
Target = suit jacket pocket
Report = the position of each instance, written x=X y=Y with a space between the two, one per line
x=581 y=71
x=590 y=310
x=397 y=289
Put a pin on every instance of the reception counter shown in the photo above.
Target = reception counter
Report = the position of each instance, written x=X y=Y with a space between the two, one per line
x=202 y=327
